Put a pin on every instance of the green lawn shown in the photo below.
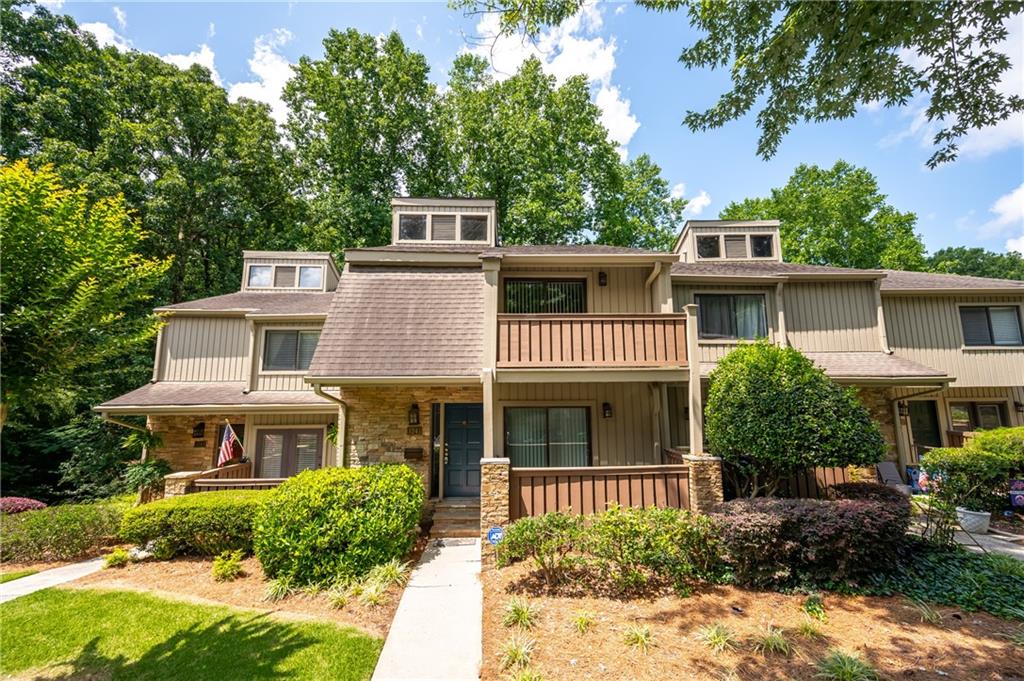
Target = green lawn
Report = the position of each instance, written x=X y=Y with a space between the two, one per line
x=124 y=635
x=18 y=574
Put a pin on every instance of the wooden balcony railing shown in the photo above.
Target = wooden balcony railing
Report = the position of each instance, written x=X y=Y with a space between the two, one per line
x=591 y=340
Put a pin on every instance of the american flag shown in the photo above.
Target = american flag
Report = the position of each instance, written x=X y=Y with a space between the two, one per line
x=227 y=445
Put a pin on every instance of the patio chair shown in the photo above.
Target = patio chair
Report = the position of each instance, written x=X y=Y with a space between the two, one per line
x=889 y=475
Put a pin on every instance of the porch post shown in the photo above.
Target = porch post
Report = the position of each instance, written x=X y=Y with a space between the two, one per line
x=487 y=377
x=696 y=403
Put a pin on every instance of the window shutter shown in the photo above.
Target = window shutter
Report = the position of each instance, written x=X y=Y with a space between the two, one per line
x=284 y=277
x=736 y=246
x=279 y=355
x=307 y=346
x=1005 y=326
x=442 y=228
x=975 y=325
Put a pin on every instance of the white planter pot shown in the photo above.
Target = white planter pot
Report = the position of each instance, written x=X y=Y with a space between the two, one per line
x=975 y=522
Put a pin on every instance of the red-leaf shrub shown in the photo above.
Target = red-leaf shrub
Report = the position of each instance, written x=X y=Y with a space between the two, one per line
x=794 y=542
x=12 y=505
x=869 y=491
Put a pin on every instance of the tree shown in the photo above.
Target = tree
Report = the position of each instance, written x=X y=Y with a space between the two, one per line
x=814 y=61
x=770 y=412
x=71 y=272
x=977 y=262
x=837 y=217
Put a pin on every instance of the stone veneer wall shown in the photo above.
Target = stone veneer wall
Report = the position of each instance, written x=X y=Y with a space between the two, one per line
x=705 y=482
x=377 y=422
x=178 y=444
x=494 y=503
x=879 y=406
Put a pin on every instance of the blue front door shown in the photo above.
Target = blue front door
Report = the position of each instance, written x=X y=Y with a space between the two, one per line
x=463 y=449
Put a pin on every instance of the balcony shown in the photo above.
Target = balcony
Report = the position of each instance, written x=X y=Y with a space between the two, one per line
x=603 y=341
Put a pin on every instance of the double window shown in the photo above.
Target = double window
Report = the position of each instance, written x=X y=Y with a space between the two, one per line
x=289 y=350
x=545 y=296
x=442 y=227
x=977 y=415
x=731 y=316
x=541 y=437
x=735 y=246
x=282 y=453
x=286 y=276
x=991 y=325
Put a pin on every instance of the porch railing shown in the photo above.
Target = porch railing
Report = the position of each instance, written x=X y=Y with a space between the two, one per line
x=224 y=484
x=591 y=340
x=535 y=491
x=813 y=483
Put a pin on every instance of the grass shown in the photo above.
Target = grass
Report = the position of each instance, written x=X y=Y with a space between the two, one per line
x=639 y=636
x=18 y=574
x=519 y=613
x=718 y=637
x=278 y=589
x=582 y=622
x=838 y=666
x=772 y=641
x=516 y=652
x=392 y=573
x=526 y=674
x=926 y=612
x=810 y=630
x=122 y=635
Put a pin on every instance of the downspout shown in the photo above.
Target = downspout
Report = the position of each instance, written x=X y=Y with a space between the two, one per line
x=342 y=420
x=880 y=311
x=655 y=271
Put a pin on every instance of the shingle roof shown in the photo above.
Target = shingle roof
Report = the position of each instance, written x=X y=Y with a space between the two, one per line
x=896 y=280
x=571 y=249
x=404 y=321
x=174 y=394
x=260 y=303
x=867 y=365
x=426 y=247
x=761 y=269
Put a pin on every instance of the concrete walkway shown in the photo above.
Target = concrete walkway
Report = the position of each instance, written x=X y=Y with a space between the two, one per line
x=48 y=578
x=437 y=631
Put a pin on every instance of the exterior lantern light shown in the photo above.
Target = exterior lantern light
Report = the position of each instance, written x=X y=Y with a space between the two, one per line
x=606 y=410
x=1019 y=407
x=414 y=415
x=904 y=409
x=602 y=278
x=199 y=430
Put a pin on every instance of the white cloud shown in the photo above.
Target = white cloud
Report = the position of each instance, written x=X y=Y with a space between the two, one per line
x=419 y=31
x=52 y=4
x=105 y=35
x=211 y=31
x=1009 y=212
x=573 y=47
x=621 y=9
x=678 y=191
x=204 y=57
x=1016 y=244
x=121 y=16
x=697 y=204
x=272 y=71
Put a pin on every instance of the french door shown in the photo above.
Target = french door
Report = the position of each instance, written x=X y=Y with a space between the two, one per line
x=284 y=452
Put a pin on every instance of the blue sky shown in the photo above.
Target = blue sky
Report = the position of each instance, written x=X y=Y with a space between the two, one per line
x=630 y=57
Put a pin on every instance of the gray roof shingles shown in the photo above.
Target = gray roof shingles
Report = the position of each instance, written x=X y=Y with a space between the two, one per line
x=877 y=365
x=398 y=321
x=229 y=393
x=259 y=302
x=896 y=280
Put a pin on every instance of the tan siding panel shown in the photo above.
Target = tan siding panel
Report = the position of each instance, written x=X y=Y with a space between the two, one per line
x=832 y=316
x=204 y=349
x=624 y=294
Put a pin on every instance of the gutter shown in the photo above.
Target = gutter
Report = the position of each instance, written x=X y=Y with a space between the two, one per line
x=655 y=271
x=342 y=420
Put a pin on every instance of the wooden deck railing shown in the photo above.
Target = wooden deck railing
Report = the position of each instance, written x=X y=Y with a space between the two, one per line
x=535 y=491
x=813 y=483
x=591 y=340
x=223 y=484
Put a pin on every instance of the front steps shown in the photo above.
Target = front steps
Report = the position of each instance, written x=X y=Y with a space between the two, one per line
x=456 y=517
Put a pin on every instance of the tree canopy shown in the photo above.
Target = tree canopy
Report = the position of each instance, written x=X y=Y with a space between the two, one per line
x=837 y=216
x=804 y=60
x=977 y=262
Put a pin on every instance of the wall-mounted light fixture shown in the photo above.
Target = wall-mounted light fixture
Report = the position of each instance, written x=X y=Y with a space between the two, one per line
x=1019 y=407
x=414 y=415
x=606 y=410
x=602 y=278
x=904 y=409
x=199 y=430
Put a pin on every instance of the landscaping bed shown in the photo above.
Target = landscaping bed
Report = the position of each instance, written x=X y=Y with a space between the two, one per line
x=887 y=633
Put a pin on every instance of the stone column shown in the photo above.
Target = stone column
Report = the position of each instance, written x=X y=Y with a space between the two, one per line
x=705 y=482
x=177 y=484
x=494 y=503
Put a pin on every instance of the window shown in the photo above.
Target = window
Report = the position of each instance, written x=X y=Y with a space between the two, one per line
x=545 y=296
x=442 y=228
x=311 y=276
x=474 y=228
x=412 y=227
x=284 y=452
x=289 y=350
x=977 y=416
x=259 y=276
x=736 y=246
x=284 y=277
x=708 y=247
x=731 y=316
x=539 y=437
x=990 y=325
x=761 y=246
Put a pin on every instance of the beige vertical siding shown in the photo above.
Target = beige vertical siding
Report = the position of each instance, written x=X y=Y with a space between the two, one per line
x=628 y=438
x=271 y=380
x=832 y=316
x=927 y=329
x=204 y=349
x=624 y=294
x=712 y=351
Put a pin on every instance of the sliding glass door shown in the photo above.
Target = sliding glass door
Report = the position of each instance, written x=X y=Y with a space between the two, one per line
x=540 y=437
x=284 y=452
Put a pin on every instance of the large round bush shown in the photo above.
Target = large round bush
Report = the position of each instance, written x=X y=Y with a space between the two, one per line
x=334 y=523
x=771 y=412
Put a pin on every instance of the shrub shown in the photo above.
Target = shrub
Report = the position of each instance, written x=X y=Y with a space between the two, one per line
x=582 y=621
x=814 y=607
x=868 y=491
x=519 y=613
x=972 y=478
x=206 y=524
x=516 y=652
x=717 y=636
x=771 y=412
x=639 y=636
x=117 y=558
x=331 y=523
x=772 y=641
x=227 y=567
x=838 y=666
x=61 y=532
x=1005 y=442
x=13 y=505
x=793 y=542
x=141 y=475
x=547 y=540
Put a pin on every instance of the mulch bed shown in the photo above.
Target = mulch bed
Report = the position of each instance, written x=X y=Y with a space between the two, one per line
x=886 y=632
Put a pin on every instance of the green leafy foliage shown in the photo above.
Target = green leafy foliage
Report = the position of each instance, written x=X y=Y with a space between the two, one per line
x=118 y=558
x=519 y=613
x=547 y=540
x=147 y=474
x=977 y=262
x=61 y=532
x=335 y=523
x=771 y=412
x=583 y=621
x=806 y=542
x=772 y=641
x=227 y=567
x=717 y=636
x=840 y=666
x=814 y=606
x=968 y=477
x=205 y=524
x=639 y=636
x=837 y=216
x=1007 y=443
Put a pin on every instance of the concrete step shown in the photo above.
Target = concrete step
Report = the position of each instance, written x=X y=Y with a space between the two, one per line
x=449 y=532
x=445 y=514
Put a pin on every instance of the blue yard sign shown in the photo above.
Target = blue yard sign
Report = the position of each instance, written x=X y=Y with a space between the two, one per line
x=495 y=535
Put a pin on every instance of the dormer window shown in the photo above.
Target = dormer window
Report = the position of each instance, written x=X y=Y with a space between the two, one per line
x=284 y=277
x=761 y=246
x=474 y=227
x=260 y=276
x=708 y=247
x=736 y=245
x=412 y=227
x=311 y=276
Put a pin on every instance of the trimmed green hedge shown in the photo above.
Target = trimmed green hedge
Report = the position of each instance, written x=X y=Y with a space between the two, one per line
x=61 y=532
x=335 y=523
x=205 y=524
x=1007 y=443
x=974 y=478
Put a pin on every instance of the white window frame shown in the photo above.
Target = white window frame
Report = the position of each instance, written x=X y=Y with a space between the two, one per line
x=263 y=350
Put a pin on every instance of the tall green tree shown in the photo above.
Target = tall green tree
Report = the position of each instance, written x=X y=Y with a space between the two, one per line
x=977 y=262
x=71 y=278
x=837 y=216
x=812 y=61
